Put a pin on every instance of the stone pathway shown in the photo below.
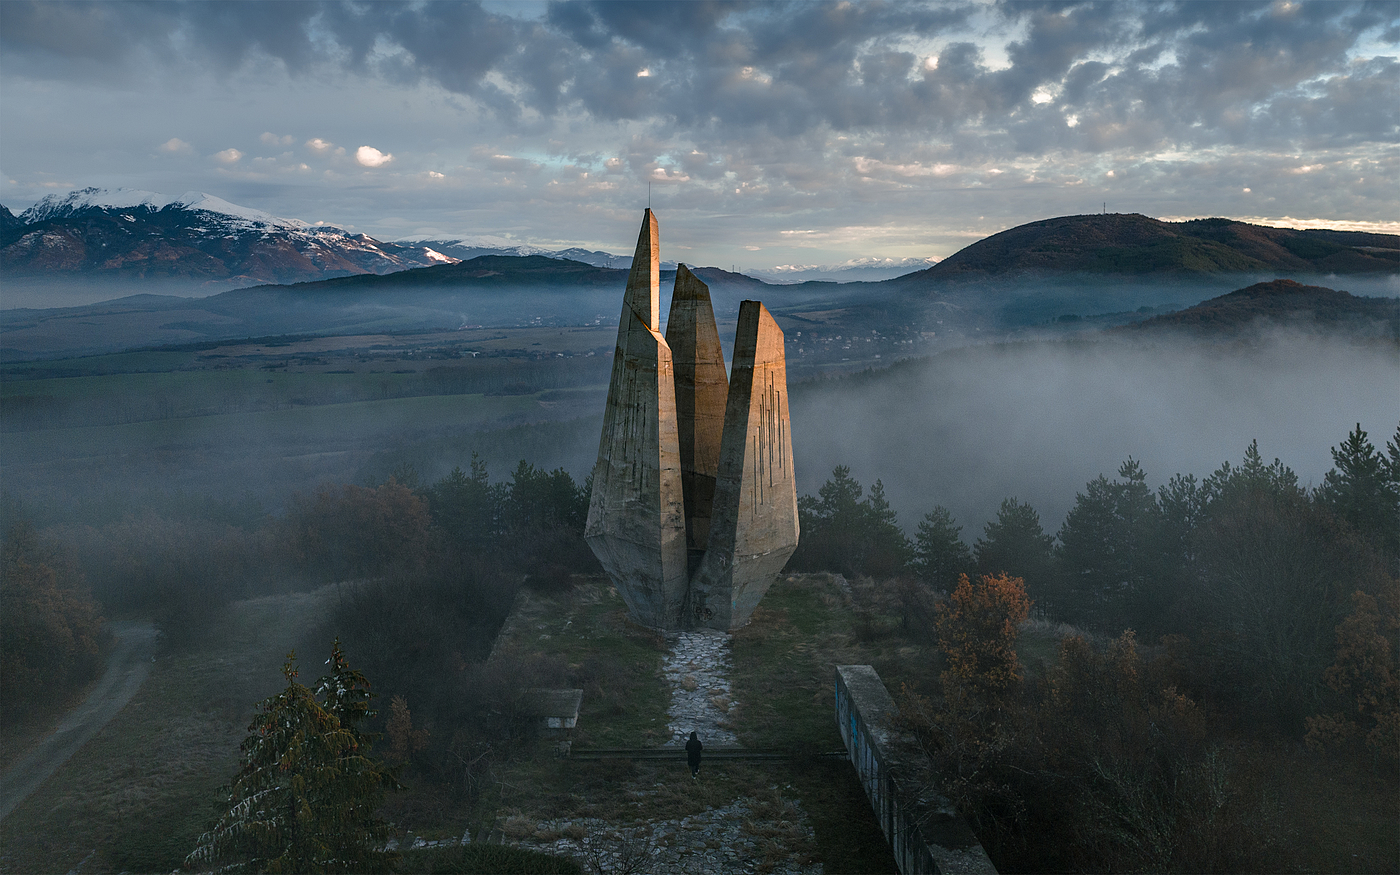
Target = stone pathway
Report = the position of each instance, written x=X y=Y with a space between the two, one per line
x=697 y=668
x=743 y=837
x=726 y=840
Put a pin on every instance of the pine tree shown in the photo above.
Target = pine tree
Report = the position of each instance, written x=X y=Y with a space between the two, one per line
x=465 y=506
x=886 y=550
x=841 y=532
x=1015 y=543
x=1361 y=490
x=304 y=799
x=939 y=553
x=1109 y=546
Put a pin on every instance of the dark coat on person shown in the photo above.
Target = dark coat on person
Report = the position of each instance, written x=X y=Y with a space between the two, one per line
x=692 y=752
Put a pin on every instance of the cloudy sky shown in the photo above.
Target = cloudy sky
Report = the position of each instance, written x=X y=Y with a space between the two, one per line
x=769 y=133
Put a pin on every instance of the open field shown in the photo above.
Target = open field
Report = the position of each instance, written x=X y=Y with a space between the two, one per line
x=270 y=454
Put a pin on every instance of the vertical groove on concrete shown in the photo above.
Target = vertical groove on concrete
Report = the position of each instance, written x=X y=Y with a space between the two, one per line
x=753 y=523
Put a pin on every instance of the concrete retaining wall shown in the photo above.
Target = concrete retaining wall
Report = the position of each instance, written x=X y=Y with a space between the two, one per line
x=925 y=833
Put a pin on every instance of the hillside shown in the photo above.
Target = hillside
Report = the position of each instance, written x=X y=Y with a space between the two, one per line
x=1136 y=245
x=487 y=272
x=1281 y=302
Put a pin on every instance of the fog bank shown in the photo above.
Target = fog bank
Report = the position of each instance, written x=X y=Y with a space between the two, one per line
x=970 y=427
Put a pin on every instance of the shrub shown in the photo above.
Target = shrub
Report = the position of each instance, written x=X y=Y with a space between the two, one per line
x=51 y=631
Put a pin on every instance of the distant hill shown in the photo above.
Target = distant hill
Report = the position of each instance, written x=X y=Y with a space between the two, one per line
x=491 y=290
x=475 y=247
x=1281 y=302
x=485 y=271
x=1136 y=245
x=488 y=272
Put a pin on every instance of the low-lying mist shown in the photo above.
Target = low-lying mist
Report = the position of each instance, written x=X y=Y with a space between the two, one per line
x=970 y=427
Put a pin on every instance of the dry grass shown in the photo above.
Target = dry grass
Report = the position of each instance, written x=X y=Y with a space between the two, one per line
x=137 y=796
x=783 y=666
x=18 y=736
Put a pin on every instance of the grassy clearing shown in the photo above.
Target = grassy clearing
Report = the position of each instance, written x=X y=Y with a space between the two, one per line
x=782 y=679
x=785 y=660
x=18 y=736
x=137 y=796
x=615 y=662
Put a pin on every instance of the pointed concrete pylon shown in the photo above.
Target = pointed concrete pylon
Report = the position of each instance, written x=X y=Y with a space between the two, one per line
x=636 y=514
x=701 y=390
x=753 y=522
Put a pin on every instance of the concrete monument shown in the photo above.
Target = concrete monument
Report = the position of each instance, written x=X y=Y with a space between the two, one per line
x=694 y=504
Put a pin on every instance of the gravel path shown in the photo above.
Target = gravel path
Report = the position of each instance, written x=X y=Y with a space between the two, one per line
x=127 y=668
x=697 y=668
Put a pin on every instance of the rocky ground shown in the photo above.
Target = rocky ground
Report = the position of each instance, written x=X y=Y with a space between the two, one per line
x=697 y=670
x=767 y=832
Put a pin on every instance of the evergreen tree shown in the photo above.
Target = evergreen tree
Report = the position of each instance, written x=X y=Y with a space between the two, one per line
x=304 y=799
x=843 y=532
x=939 y=552
x=465 y=506
x=1109 y=547
x=1270 y=574
x=1014 y=543
x=1251 y=477
x=1361 y=491
x=1180 y=503
x=536 y=498
x=886 y=550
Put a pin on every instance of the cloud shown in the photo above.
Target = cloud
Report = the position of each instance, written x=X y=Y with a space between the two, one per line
x=1005 y=78
x=176 y=146
x=228 y=156
x=941 y=120
x=368 y=156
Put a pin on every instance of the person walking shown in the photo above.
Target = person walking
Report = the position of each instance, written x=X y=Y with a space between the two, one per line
x=692 y=754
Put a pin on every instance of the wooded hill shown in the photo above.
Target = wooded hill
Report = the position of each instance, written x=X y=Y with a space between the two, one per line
x=1133 y=244
x=1281 y=302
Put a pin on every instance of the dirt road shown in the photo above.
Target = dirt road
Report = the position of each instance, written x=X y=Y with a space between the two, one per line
x=127 y=669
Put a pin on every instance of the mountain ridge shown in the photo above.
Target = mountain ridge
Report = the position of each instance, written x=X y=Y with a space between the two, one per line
x=130 y=234
x=1131 y=244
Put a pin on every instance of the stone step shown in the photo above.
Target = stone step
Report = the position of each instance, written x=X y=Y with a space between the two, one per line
x=710 y=754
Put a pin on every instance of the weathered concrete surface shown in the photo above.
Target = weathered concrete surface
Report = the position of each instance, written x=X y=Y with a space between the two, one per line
x=753 y=524
x=636 y=514
x=701 y=390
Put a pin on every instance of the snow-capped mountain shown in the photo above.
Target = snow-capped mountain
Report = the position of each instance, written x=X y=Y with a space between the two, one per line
x=133 y=234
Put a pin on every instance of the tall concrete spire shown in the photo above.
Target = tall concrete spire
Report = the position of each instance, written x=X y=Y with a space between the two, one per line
x=701 y=390
x=694 y=504
x=753 y=523
x=644 y=281
x=636 y=514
